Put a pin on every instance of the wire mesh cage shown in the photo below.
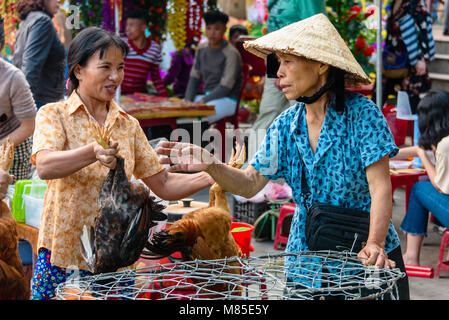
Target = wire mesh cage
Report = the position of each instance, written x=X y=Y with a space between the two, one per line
x=302 y=275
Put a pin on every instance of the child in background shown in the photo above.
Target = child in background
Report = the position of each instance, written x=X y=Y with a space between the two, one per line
x=219 y=65
x=235 y=32
x=144 y=57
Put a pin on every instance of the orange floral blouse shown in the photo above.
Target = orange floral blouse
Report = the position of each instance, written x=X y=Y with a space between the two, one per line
x=71 y=202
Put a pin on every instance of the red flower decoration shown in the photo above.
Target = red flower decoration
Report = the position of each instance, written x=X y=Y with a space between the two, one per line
x=370 y=12
x=356 y=8
x=360 y=43
x=368 y=51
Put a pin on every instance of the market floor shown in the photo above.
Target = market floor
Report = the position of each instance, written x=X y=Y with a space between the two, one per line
x=420 y=288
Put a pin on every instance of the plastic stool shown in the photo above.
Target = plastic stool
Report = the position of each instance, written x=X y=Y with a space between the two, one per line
x=285 y=211
x=443 y=265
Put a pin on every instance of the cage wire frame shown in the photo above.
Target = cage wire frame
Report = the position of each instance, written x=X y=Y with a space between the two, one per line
x=309 y=275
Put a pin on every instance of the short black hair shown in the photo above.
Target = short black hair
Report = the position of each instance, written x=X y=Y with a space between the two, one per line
x=140 y=15
x=237 y=28
x=86 y=44
x=211 y=17
x=433 y=118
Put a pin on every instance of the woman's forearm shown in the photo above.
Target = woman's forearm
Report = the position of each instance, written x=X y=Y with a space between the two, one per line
x=175 y=186
x=381 y=213
x=246 y=183
x=430 y=168
x=406 y=152
x=60 y=164
x=381 y=200
x=19 y=135
x=179 y=185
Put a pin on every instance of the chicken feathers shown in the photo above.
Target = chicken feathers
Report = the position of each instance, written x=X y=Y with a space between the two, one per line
x=126 y=214
x=13 y=284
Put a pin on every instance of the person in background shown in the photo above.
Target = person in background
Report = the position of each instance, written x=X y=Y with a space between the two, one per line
x=179 y=71
x=409 y=35
x=428 y=196
x=256 y=80
x=38 y=52
x=218 y=64
x=75 y=165
x=342 y=138
x=17 y=114
x=280 y=14
x=144 y=57
x=235 y=32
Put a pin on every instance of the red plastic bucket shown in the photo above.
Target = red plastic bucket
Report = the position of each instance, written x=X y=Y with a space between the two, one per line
x=243 y=237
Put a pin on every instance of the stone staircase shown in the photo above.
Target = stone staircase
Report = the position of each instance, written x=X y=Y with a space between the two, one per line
x=439 y=67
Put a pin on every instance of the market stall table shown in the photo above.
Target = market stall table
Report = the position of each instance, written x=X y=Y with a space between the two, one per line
x=406 y=178
x=156 y=111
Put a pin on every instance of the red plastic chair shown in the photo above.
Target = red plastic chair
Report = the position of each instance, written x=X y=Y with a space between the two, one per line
x=407 y=180
x=286 y=210
x=234 y=119
x=397 y=126
x=443 y=264
x=257 y=64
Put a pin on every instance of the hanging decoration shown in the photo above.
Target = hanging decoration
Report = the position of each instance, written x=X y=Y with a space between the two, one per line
x=193 y=22
x=108 y=17
x=158 y=19
x=176 y=24
x=10 y=24
x=90 y=13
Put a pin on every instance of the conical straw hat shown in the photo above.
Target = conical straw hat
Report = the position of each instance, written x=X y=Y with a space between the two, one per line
x=314 y=38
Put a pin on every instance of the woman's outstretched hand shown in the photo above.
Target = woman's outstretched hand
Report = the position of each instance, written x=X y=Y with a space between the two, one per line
x=185 y=157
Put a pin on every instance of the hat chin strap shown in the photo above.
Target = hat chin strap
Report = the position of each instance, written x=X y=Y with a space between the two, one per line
x=313 y=98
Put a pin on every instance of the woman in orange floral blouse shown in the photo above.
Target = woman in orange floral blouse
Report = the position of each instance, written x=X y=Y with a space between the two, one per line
x=75 y=166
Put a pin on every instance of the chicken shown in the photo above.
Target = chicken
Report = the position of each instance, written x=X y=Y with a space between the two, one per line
x=13 y=285
x=126 y=214
x=204 y=234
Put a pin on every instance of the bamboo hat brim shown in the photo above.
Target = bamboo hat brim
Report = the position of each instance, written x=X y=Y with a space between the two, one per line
x=314 y=38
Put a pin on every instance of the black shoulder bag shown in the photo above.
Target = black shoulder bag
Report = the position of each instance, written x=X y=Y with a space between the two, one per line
x=330 y=227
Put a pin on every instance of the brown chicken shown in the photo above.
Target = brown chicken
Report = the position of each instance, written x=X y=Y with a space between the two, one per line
x=13 y=284
x=126 y=214
x=204 y=234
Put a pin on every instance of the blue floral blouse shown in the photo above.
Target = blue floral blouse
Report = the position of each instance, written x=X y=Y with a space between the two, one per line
x=348 y=143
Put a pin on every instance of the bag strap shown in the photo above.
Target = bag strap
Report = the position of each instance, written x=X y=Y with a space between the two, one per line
x=305 y=190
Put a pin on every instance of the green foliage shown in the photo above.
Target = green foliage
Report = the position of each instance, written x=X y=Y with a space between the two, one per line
x=349 y=19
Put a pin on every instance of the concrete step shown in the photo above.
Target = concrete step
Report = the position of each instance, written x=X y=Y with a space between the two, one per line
x=441 y=40
x=440 y=64
x=439 y=67
x=441 y=46
x=439 y=80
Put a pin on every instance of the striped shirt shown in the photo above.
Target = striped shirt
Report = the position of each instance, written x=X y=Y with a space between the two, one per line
x=409 y=32
x=138 y=63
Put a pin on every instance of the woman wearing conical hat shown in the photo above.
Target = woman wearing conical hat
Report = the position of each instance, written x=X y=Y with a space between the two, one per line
x=340 y=138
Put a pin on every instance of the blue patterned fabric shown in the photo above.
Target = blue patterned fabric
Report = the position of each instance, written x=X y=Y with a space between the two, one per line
x=47 y=277
x=348 y=144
